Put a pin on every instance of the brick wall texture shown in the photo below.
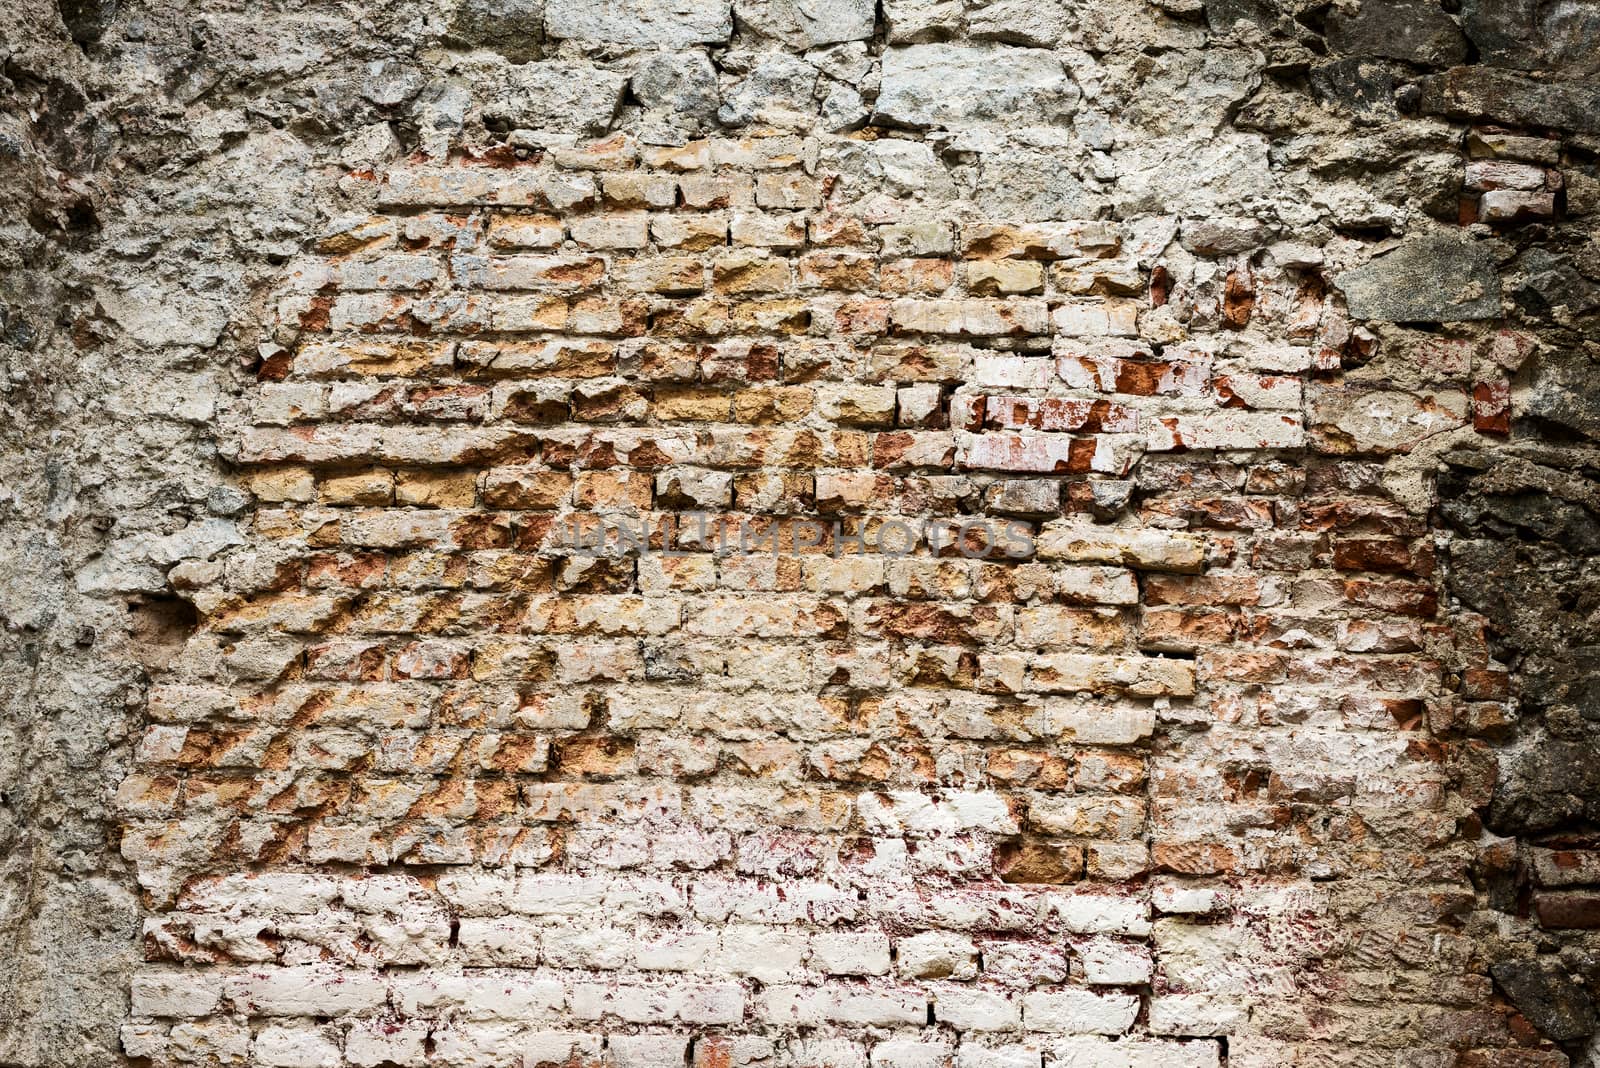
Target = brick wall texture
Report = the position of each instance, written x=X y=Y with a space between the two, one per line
x=808 y=536
x=482 y=788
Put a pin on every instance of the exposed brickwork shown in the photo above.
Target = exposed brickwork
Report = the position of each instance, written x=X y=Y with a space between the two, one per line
x=1106 y=796
x=826 y=534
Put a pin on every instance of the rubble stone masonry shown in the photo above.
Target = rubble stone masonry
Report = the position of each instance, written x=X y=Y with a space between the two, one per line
x=801 y=533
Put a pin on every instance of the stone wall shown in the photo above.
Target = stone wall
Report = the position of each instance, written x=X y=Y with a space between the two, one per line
x=779 y=533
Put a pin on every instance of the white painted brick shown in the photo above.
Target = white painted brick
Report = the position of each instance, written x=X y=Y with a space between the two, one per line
x=704 y=1003
x=793 y=1006
x=1177 y=898
x=484 y=995
x=1131 y=1053
x=1079 y=1012
x=936 y=955
x=647 y=1051
x=1107 y=962
x=181 y=994
x=506 y=940
x=976 y=1009
x=373 y=1043
x=557 y=1049
x=306 y=990
x=910 y=812
x=830 y=1052
x=910 y=1053
x=1194 y=1014
x=296 y=1047
x=1102 y=914
x=282 y=892
x=471 y=1044
x=762 y=953
x=583 y=947
x=669 y=950
x=975 y=1055
x=866 y=953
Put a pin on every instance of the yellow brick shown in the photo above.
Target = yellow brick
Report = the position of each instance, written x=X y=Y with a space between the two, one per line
x=436 y=489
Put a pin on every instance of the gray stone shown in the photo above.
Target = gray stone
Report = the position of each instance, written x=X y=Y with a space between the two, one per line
x=1038 y=23
x=1416 y=31
x=1192 y=175
x=681 y=83
x=1542 y=991
x=1223 y=236
x=1481 y=92
x=1502 y=206
x=1429 y=279
x=947 y=84
x=1212 y=85
x=1564 y=391
x=778 y=88
x=891 y=167
x=1030 y=497
x=805 y=24
x=153 y=316
x=1223 y=15
x=87 y=20
x=1547 y=284
x=1348 y=419
x=849 y=62
x=1126 y=27
x=842 y=108
x=659 y=23
x=1535 y=34
x=1108 y=498
x=389 y=84
x=912 y=21
x=1356 y=87
x=1028 y=184
x=557 y=96
x=514 y=28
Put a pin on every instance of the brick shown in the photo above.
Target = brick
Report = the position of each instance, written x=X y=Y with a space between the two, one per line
x=1567 y=908
x=792 y=1006
x=915 y=239
x=1044 y=453
x=1042 y=626
x=175 y=994
x=1142 y=549
x=866 y=953
x=689 y=233
x=969 y=318
x=493 y=794
x=748 y=272
x=1059 y=414
x=1142 y=676
x=1079 y=1012
x=788 y=190
x=933 y=955
x=1133 y=1053
x=626 y=230
x=1225 y=430
x=1039 y=241
x=525 y=231
x=1107 y=318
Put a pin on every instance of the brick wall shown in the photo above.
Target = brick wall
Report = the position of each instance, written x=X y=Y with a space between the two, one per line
x=483 y=790
x=1035 y=655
